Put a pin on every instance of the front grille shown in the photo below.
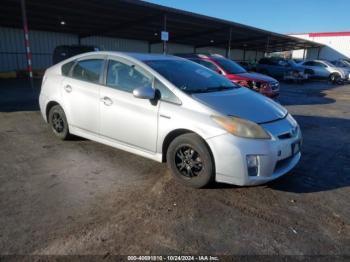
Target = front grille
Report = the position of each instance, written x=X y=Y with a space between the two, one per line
x=282 y=163
x=285 y=136
x=293 y=132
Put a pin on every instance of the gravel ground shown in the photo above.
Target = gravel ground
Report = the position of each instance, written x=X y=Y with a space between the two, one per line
x=81 y=197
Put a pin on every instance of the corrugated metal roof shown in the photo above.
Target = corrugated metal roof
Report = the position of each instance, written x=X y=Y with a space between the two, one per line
x=140 y=20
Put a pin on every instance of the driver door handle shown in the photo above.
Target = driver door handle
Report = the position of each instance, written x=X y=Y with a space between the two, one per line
x=68 y=88
x=107 y=101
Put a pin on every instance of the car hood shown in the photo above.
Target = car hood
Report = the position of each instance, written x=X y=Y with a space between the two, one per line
x=243 y=103
x=256 y=77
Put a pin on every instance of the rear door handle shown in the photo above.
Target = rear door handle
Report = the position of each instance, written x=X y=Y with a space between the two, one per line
x=68 y=88
x=107 y=101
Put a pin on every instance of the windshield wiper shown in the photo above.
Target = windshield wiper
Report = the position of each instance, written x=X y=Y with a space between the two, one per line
x=211 y=89
x=220 y=88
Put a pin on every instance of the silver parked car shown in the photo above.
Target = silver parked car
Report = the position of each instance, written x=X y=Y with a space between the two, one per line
x=342 y=63
x=172 y=110
x=325 y=69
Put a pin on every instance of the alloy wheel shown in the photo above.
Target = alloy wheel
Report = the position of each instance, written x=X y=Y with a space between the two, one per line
x=57 y=122
x=188 y=161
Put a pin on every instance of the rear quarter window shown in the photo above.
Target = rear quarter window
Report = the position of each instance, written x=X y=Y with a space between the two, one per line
x=89 y=70
x=65 y=69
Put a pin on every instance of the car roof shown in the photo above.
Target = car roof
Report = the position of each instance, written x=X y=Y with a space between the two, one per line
x=142 y=56
x=147 y=57
x=316 y=60
x=138 y=56
x=200 y=55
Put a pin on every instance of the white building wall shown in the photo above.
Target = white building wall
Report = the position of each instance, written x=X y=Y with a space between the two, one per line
x=336 y=47
x=298 y=54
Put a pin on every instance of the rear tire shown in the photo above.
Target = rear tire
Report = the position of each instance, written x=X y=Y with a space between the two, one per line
x=58 y=122
x=190 y=161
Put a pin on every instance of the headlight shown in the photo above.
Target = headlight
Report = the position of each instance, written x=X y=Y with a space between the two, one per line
x=291 y=120
x=241 y=127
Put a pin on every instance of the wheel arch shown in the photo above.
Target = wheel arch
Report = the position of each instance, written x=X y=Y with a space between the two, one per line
x=50 y=105
x=178 y=132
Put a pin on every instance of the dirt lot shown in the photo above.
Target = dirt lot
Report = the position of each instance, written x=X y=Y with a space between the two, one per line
x=80 y=197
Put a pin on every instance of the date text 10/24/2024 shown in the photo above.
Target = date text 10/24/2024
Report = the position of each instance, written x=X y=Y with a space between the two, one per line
x=173 y=258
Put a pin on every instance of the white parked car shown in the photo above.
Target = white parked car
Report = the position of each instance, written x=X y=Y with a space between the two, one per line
x=172 y=110
x=325 y=69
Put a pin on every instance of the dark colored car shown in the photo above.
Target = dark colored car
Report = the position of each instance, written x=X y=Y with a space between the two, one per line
x=281 y=68
x=63 y=52
x=263 y=84
x=249 y=66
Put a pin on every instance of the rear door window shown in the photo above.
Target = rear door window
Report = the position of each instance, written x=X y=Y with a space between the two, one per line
x=89 y=70
x=319 y=64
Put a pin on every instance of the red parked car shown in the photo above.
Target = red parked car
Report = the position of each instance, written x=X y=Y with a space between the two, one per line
x=263 y=84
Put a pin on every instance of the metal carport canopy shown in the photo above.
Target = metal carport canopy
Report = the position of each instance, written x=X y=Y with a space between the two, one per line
x=133 y=19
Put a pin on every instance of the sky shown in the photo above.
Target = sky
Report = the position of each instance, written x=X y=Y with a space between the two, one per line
x=282 y=16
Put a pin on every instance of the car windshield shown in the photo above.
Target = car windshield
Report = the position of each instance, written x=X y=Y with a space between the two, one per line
x=346 y=63
x=327 y=63
x=191 y=77
x=230 y=66
x=340 y=63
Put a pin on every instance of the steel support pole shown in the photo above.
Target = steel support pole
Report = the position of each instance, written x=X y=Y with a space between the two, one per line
x=149 y=47
x=164 y=29
x=26 y=43
x=228 y=51
x=267 y=44
x=318 y=52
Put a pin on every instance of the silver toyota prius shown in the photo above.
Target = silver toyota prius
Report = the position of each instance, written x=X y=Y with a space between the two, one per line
x=172 y=110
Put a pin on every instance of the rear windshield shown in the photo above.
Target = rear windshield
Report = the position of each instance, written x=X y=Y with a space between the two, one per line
x=230 y=66
x=190 y=77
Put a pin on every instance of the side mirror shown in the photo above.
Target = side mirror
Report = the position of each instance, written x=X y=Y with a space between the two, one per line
x=146 y=92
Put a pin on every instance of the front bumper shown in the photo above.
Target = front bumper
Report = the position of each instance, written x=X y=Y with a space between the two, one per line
x=42 y=105
x=275 y=156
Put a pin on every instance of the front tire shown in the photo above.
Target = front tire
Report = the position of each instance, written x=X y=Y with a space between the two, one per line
x=334 y=78
x=58 y=122
x=190 y=160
